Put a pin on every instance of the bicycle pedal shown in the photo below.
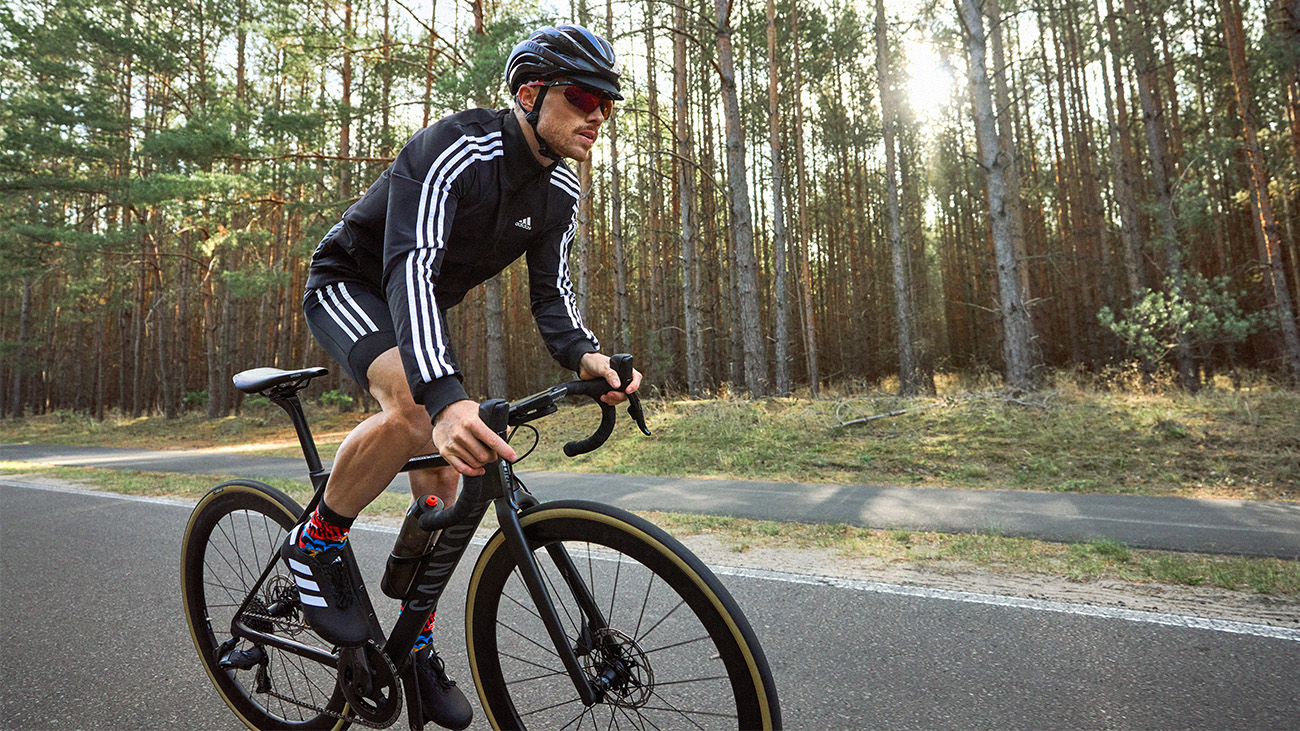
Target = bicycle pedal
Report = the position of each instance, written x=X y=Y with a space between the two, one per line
x=243 y=659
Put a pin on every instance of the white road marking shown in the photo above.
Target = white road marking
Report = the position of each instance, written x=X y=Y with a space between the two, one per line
x=873 y=587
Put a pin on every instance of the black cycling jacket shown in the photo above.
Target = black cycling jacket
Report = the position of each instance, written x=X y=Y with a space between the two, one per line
x=464 y=199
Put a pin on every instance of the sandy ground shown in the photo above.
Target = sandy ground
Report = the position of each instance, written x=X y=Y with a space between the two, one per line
x=1205 y=602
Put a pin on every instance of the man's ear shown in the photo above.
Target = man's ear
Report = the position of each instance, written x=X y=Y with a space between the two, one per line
x=526 y=97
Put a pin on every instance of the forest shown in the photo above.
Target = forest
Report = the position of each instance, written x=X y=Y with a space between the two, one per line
x=795 y=196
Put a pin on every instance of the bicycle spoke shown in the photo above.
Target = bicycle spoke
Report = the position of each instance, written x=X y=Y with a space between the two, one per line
x=645 y=603
x=662 y=619
x=551 y=707
x=553 y=671
x=613 y=595
x=528 y=639
x=683 y=643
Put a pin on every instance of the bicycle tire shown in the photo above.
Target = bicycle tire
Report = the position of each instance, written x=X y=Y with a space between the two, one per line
x=702 y=668
x=231 y=535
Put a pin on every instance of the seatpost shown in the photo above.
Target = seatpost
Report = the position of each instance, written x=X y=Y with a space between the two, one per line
x=293 y=407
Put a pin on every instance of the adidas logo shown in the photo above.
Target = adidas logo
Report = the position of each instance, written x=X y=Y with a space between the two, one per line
x=525 y=223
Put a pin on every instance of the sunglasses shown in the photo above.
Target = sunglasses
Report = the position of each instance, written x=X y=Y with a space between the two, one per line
x=585 y=100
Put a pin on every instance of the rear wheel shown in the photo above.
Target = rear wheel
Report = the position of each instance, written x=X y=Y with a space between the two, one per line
x=233 y=534
x=667 y=640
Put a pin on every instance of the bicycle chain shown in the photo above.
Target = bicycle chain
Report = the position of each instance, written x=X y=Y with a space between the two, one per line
x=281 y=621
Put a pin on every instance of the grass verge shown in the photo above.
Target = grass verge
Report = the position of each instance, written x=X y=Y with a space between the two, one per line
x=1071 y=438
x=936 y=551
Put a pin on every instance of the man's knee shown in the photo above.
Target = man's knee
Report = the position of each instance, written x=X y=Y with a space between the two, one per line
x=411 y=424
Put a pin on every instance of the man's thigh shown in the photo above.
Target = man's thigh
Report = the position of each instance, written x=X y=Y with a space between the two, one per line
x=351 y=321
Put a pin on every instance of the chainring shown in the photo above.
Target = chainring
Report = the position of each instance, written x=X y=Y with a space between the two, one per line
x=369 y=683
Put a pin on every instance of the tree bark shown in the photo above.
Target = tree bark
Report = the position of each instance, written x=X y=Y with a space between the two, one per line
x=781 y=287
x=1153 y=123
x=686 y=201
x=807 y=314
x=908 y=384
x=623 y=332
x=1270 y=239
x=20 y=362
x=742 y=223
x=1121 y=154
x=1017 y=343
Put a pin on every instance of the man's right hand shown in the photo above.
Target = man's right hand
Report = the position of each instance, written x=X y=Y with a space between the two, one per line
x=465 y=441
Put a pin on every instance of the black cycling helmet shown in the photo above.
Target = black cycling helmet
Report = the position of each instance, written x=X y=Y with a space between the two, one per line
x=570 y=51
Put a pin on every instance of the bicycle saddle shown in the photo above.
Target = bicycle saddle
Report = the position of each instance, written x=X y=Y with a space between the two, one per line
x=257 y=380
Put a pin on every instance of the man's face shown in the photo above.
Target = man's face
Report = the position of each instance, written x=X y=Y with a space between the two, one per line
x=566 y=129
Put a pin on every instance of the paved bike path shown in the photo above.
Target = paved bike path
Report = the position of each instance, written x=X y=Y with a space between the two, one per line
x=1262 y=528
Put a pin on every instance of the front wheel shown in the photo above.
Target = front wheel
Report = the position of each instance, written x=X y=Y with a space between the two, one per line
x=234 y=534
x=661 y=634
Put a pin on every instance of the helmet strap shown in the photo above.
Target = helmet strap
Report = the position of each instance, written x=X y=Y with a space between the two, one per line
x=532 y=118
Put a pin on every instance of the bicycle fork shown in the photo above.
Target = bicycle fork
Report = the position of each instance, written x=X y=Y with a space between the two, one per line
x=508 y=507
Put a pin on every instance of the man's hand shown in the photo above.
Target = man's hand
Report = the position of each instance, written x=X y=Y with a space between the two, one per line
x=596 y=365
x=465 y=441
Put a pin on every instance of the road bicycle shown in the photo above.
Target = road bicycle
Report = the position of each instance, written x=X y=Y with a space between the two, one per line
x=578 y=614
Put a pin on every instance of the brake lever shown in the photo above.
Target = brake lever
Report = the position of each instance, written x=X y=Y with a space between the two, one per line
x=622 y=365
x=634 y=411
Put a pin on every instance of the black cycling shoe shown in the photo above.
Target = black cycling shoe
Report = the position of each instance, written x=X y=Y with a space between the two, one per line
x=441 y=701
x=327 y=596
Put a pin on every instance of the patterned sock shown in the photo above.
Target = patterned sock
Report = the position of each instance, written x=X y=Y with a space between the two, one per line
x=325 y=530
x=426 y=634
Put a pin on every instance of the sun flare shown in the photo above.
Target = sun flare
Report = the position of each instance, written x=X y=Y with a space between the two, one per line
x=930 y=79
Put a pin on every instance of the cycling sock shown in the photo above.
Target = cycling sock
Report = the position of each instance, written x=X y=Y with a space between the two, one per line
x=426 y=635
x=325 y=530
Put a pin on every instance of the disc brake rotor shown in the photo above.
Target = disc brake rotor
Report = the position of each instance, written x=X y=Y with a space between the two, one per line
x=369 y=683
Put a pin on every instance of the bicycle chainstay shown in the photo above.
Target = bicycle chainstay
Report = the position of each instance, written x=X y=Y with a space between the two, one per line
x=350 y=718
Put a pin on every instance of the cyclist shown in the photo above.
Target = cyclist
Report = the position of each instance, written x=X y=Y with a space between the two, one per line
x=464 y=198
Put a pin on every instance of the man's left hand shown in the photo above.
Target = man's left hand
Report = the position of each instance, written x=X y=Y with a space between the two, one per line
x=596 y=365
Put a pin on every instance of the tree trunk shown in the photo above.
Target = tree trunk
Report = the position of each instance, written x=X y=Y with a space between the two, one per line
x=742 y=223
x=686 y=201
x=623 y=332
x=20 y=362
x=1121 y=155
x=494 y=330
x=907 y=372
x=1018 y=361
x=1002 y=97
x=806 y=311
x=781 y=287
x=651 y=236
x=1271 y=240
x=345 y=133
x=1154 y=125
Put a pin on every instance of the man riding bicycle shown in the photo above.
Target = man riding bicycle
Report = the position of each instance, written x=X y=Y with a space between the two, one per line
x=464 y=198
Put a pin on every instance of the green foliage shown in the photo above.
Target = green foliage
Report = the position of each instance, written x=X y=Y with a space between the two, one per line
x=480 y=79
x=1208 y=314
x=338 y=399
x=254 y=282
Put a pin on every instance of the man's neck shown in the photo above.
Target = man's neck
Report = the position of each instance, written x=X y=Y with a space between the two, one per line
x=530 y=135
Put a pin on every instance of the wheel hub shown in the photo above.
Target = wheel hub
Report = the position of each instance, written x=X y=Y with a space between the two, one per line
x=619 y=669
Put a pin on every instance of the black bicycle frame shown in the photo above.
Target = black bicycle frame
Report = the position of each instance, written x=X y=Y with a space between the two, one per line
x=434 y=570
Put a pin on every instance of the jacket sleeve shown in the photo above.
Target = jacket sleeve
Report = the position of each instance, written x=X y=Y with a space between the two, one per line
x=553 y=303
x=422 y=199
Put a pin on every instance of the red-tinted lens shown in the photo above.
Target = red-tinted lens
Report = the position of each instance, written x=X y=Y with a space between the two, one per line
x=587 y=102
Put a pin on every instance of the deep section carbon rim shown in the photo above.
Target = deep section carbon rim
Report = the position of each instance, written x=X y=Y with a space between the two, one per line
x=233 y=533
x=673 y=649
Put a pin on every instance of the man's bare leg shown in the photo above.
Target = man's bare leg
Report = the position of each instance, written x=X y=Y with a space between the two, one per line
x=373 y=454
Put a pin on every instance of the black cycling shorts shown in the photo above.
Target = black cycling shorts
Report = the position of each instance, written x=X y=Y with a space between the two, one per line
x=351 y=321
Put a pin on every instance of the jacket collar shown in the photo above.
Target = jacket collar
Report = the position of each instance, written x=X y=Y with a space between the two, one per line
x=521 y=165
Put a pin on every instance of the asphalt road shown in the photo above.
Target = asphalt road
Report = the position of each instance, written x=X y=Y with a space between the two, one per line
x=91 y=637
x=1259 y=528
